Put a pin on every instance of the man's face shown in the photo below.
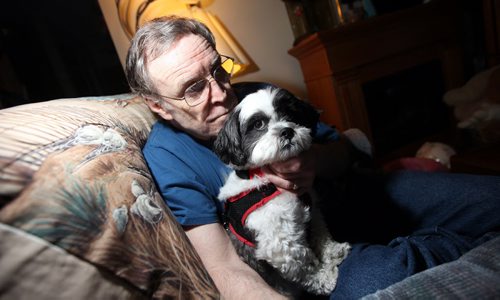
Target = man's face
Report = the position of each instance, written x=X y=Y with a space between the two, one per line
x=189 y=60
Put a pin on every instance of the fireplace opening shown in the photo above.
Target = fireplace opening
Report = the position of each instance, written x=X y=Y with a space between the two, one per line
x=406 y=107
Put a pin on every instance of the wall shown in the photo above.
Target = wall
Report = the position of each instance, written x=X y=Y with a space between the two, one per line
x=261 y=27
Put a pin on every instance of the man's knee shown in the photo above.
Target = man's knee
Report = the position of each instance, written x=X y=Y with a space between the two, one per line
x=369 y=268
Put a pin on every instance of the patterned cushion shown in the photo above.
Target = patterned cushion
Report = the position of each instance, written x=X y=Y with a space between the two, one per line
x=75 y=176
x=29 y=133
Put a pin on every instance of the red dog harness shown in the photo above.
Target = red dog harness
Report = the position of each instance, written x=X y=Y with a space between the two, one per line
x=239 y=207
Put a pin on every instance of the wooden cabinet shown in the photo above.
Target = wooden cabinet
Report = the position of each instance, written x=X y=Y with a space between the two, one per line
x=336 y=63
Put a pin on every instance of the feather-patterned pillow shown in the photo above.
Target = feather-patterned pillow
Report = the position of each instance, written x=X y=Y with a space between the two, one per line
x=77 y=178
x=28 y=133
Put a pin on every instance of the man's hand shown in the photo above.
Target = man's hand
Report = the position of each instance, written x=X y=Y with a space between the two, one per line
x=297 y=174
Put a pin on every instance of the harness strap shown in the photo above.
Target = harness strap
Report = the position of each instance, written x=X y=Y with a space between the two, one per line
x=239 y=207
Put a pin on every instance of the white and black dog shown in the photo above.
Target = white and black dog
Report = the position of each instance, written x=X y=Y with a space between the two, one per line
x=281 y=236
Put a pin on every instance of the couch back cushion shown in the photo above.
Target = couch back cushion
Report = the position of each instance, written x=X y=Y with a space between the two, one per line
x=74 y=174
x=29 y=133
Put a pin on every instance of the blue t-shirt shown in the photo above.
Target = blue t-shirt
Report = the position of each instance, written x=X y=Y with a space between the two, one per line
x=189 y=175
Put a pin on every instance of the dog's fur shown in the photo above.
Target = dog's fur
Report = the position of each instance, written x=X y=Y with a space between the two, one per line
x=267 y=126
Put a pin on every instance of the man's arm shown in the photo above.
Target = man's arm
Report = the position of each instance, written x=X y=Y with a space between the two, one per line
x=234 y=278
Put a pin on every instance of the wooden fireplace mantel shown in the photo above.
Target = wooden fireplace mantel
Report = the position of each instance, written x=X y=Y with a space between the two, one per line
x=336 y=63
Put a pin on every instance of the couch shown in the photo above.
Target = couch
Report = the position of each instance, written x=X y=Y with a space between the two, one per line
x=81 y=217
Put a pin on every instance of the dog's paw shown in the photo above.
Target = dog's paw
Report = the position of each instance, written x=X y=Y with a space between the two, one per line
x=324 y=282
x=333 y=253
x=338 y=252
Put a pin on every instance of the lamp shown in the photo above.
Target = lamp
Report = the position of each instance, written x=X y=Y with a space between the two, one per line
x=134 y=13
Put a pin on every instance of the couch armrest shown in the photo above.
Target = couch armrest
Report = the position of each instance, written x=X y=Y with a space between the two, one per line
x=32 y=268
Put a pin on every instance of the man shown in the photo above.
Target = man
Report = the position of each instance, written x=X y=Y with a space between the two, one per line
x=173 y=64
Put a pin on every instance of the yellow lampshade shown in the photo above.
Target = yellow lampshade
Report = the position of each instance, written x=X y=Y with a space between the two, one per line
x=134 y=13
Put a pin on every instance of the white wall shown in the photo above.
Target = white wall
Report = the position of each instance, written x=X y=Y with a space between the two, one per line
x=261 y=27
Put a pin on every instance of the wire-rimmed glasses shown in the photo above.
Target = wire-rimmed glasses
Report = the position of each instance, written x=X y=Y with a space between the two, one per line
x=198 y=91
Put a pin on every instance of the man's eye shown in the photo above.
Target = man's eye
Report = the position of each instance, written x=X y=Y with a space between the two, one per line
x=196 y=88
x=259 y=125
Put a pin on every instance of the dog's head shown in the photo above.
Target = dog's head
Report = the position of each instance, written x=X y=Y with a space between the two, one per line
x=267 y=126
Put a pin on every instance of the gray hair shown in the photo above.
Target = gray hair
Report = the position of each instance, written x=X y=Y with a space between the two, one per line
x=153 y=39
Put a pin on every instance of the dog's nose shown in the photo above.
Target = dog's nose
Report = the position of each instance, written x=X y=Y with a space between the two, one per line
x=287 y=133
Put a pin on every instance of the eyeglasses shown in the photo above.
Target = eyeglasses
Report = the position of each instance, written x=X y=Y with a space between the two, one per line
x=198 y=91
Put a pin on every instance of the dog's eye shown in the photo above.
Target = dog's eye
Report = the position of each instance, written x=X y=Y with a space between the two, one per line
x=259 y=125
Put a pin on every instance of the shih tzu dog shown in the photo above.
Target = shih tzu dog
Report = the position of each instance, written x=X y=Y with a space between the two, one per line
x=282 y=237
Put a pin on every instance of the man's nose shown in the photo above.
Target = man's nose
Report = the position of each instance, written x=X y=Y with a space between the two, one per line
x=217 y=90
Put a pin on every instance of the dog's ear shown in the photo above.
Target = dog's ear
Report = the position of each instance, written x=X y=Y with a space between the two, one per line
x=227 y=145
x=300 y=111
x=310 y=115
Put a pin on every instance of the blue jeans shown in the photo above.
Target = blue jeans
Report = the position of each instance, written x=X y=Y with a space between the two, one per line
x=405 y=222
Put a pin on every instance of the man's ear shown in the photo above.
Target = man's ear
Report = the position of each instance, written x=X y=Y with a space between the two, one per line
x=156 y=107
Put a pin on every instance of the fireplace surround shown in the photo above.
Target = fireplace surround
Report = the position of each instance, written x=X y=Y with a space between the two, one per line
x=342 y=65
